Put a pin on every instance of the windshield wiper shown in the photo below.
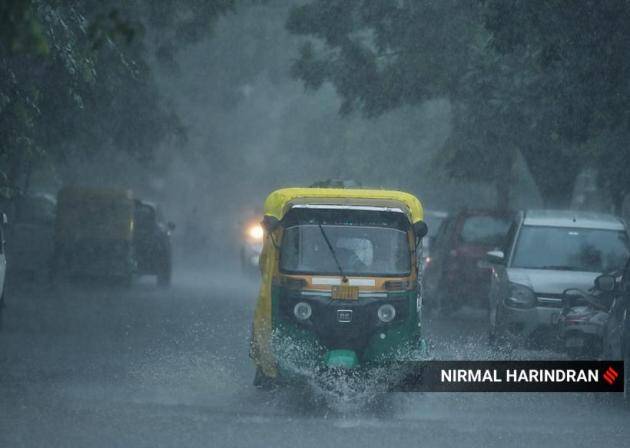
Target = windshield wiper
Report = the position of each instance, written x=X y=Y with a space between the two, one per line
x=559 y=268
x=333 y=253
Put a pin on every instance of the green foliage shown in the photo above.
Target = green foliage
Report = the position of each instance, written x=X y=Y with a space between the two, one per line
x=74 y=79
x=537 y=77
x=20 y=29
x=581 y=46
x=581 y=49
x=382 y=55
x=375 y=52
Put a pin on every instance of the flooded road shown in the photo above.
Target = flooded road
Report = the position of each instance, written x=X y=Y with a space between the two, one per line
x=88 y=366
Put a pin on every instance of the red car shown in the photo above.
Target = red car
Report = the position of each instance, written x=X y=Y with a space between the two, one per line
x=457 y=273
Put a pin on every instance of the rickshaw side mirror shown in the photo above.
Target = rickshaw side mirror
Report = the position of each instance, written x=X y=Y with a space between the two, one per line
x=270 y=223
x=605 y=283
x=421 y=229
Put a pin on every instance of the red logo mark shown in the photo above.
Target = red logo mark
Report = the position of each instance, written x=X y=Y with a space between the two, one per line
x=610 y=375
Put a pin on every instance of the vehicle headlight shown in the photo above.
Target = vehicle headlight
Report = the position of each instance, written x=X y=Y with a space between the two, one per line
x=520 y=296
x=255 y=232
x=302 y=311
x=386 y=313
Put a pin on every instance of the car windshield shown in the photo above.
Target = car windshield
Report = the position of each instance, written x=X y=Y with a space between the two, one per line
x=485 y=230
x=561 y=248
x=360 y=250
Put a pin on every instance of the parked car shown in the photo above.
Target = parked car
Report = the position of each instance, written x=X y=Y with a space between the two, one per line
x=458 y=273
x=548 y=252
x=3 y=265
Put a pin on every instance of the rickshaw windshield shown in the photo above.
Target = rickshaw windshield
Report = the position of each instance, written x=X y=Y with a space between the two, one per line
x=360 y=250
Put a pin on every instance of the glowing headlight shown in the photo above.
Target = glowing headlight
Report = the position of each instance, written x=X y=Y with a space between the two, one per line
x=386 y=313
x=255 y=232
x=302 y=311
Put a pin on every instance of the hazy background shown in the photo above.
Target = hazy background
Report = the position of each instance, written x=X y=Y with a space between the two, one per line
x=252 y=128
x=246 y=127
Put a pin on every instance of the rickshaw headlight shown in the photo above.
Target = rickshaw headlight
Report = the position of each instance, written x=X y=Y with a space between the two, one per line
x=255 y=232
x=302 y=311
x=386 y=313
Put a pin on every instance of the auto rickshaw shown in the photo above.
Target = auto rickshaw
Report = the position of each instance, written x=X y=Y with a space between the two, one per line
x=94 y=233
x=107 y=233
x=339 y=286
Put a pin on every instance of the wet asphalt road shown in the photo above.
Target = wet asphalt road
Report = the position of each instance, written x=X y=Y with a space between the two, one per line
x=99 y=367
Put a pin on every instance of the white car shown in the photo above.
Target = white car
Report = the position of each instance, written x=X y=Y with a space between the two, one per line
x=547 y=252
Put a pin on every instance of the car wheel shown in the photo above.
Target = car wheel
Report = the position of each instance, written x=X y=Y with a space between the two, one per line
x=498 y=339
x=165 y=274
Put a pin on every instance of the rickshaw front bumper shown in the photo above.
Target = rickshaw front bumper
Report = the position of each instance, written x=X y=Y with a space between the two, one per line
x=300 y=354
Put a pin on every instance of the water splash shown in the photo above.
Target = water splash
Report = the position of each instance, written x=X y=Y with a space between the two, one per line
x=340 y=390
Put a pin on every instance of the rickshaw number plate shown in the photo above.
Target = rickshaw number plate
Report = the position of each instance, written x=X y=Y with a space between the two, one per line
x=344 y=316
x=345 y=292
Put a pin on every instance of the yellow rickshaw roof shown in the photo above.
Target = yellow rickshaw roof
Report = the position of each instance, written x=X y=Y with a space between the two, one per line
x=279 y=201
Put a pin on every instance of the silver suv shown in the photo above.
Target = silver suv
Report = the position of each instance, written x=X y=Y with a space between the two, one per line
x=547 y=252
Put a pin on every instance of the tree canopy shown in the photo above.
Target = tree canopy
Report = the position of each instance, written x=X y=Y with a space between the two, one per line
x=539 y=77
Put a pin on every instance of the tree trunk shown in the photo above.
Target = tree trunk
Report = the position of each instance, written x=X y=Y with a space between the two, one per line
x=554 y=171
x=504 y=179
x=559 y=198
x=503 y=194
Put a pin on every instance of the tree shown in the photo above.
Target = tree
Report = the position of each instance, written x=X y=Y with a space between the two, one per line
x=380 y=55
x=581 y=49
